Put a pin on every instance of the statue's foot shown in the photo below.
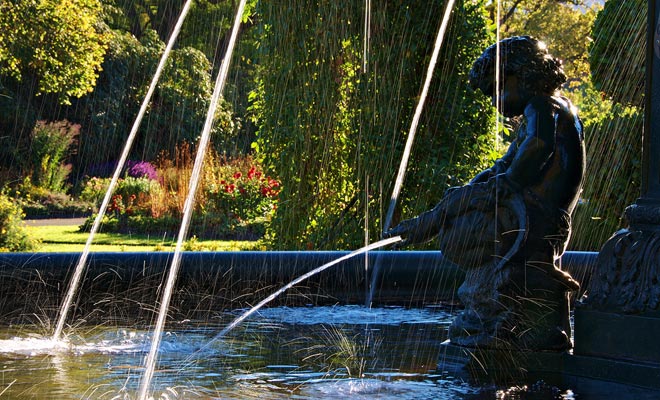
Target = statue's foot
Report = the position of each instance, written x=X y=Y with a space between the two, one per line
x=550 y=339
x=509 y=331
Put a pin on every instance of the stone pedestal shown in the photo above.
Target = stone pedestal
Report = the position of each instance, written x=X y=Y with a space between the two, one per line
x=625 y=337
x=617 y=323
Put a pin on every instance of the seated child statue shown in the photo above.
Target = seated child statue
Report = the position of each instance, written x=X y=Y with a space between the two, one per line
x=509 y=226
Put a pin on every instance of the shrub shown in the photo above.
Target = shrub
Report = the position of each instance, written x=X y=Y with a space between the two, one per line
x=141 y=169
x=38 y=202
x=51 y=145
x=236 y=198
x=93 y=190
x=241 y=192
x=135 y=194
x=13 y=236
x=132 y=196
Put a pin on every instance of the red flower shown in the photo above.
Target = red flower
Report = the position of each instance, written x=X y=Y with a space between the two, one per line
x=252 y=173
x=237 y=175
x=116 y=204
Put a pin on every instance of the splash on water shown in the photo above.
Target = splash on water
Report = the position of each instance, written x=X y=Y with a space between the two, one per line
x=370 y=388
x=120 y=341
x=33 y=346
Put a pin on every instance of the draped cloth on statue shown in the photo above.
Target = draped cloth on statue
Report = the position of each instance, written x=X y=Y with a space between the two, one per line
x=509 y=243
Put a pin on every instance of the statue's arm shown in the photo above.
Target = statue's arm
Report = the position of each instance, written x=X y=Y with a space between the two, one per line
x=500 y=166
x=420 y=229
x=538 y=145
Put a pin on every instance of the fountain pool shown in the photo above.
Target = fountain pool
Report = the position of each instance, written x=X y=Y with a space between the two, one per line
x=311 y=343
x=321 y=352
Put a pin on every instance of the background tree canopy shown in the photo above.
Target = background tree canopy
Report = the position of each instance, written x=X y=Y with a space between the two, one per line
x=301 y=99
x=617 y=57
x=53 y=45
x=346 y=127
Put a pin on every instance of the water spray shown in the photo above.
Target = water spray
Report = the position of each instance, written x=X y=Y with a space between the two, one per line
x=150 y=362
x=365 y=249
x=80 y=266
x=411 y=138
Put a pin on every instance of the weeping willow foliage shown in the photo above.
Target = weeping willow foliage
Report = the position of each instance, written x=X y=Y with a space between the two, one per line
x=613 y=141
x=618 y=52
x=333 y=132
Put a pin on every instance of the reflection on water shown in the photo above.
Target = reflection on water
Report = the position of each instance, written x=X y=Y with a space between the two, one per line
x=301 y=353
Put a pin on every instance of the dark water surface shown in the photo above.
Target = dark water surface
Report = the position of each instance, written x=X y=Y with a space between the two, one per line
x=340 y=352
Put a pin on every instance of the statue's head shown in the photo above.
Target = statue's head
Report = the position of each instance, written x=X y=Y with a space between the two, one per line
x=526 y=58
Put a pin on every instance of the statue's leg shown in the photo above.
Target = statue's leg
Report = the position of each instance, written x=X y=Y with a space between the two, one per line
x=542 y=310
x=479 y=324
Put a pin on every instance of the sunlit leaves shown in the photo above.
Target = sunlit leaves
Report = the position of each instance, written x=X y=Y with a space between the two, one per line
x=618 y=53
x=563 y=25
x=59 y=42
x=334 y=133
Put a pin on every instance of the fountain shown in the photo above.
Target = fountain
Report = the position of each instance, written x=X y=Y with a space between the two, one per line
x=615 y=348
x=311 y=343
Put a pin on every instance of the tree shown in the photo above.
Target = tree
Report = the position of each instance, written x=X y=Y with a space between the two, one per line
x=50 y=53
x=206 y=28
x=564 y=25
x=618 y=53
x=176 y=113
x=333 y=133
x=57 y=44
x=613 y=136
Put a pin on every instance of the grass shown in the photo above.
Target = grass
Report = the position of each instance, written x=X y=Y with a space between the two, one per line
x=67 y=238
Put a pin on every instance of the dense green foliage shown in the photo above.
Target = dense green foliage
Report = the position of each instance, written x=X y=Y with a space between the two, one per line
x=334 y=133
x=324 y=122
x=614 y=127
x=13 y=236
x=613 y=180
x=55 y=44
x=618 y=52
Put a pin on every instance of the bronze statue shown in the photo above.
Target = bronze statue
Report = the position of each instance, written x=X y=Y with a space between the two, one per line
x=509 y=225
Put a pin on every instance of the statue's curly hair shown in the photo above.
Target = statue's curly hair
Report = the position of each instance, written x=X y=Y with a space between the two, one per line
x=523 y=56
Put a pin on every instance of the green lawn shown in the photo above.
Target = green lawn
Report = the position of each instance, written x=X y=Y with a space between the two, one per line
x=68 y=239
